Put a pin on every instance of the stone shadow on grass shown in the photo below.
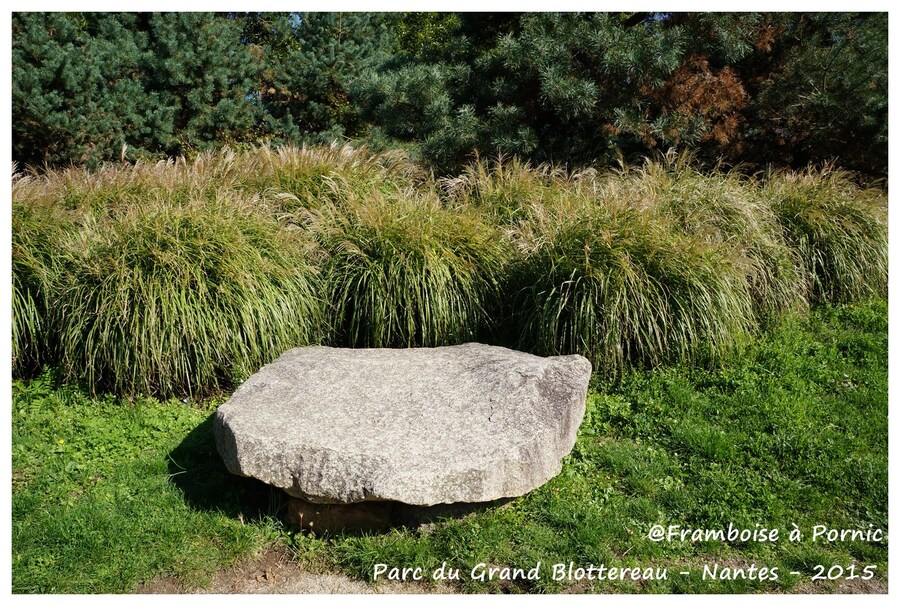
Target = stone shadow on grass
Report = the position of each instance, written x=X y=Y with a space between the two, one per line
x=196 y=468
x=377 y=516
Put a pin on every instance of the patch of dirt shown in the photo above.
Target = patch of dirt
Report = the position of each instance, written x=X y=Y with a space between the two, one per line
x=275 y=572
x=857 y=586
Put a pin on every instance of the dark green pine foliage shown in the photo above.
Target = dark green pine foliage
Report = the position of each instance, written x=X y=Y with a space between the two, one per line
x=552 y=87
x=826 y=92
x=86 y=84
x=581 y=88
x=312 y=63
x=76 y=89
x=575 y=88
x=200 y=71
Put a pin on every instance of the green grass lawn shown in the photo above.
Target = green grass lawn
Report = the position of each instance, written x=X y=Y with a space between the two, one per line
x=108 y=493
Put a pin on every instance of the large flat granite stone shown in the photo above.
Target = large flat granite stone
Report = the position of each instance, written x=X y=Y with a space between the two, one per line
x=463 y=424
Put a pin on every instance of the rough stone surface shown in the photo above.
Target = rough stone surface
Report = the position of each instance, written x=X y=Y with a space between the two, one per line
x=468 y=423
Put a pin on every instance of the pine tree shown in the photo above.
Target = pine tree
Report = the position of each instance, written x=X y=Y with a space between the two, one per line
x=822 y=93
x=200 y=72
x=582 y=88
x=313 y=61
x=76 y=94
x=85 y=85
x=576 y=88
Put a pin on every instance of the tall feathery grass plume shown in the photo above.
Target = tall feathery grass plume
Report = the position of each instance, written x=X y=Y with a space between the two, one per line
x=310 y=173
x=314 y=175
x=181 y=276
x=838 y=228
x=114 y=187
x=506 y=189
x=173 y=298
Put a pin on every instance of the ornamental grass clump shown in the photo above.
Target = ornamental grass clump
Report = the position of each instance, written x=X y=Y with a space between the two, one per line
x=37 y=229
x=403 y=272
x=313 y=175
x=618 y=285
x=183 y=276
x=726 y=208
x=116 y=186
x=170 y=299
x=507 y=189
x=838 y=229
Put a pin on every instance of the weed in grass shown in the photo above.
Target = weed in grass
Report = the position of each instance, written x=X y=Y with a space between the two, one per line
x=183 y=299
